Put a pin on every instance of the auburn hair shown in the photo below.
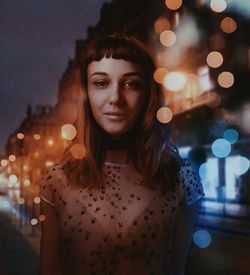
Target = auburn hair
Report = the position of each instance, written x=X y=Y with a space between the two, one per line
x=152 y=153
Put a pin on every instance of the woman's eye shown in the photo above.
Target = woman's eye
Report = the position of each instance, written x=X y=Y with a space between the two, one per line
x=132 y=85
x=100 y=83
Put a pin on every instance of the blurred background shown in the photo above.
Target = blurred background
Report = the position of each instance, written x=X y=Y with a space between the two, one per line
x=202 y=52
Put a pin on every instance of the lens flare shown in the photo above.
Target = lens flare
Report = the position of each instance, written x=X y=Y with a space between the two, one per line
x=68 y=131
x=164 y=115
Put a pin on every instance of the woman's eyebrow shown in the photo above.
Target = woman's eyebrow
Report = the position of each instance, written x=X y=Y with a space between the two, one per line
x=98 y=73
x=133 y=74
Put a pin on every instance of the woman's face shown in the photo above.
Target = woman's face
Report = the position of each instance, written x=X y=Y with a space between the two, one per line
x=116 y=91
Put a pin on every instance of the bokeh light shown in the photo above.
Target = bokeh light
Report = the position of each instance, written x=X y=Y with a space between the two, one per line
x=242 y=165
x=218 y=5
x=26 y=182
x=159 y=74
x=37 y=136
x=167 y=38
x=37 y=200
x=68 y=131
x=21 y=200
x=202 y=238
x=174 y=81
x=78 y=151
x=42 y=218
x=231 y=135
x=4 y=162
x=12 y=158
x=34 y=221
x=203 y=171
x=13 y=178
x=51 y=142
x=221 y=148
x=49 y=163
x=161 y=24
x=20 y=135
x=217 y=42
x=228 y=25
x=226 y=79
x=173 y=4
x=164 y=115
x=215 y=100
x=214 y=59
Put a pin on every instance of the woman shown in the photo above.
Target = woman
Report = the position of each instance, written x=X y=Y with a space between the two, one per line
x=129 y=203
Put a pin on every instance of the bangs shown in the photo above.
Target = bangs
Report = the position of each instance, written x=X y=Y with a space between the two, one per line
x=117 y=48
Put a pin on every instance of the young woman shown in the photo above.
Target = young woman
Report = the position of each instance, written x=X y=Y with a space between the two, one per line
x=129 y=203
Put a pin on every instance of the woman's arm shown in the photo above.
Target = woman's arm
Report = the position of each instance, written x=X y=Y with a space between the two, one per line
x=50 y=247
x=182 y=236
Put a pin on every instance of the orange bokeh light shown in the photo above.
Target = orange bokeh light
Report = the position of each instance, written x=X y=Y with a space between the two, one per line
x=164 y=115
x=214 y=59
x=228 y=25
x=159 y=74
x=20 y=135
x=217 y=42
x=161 y=24
x=68 y=131
x=173 y=4
x=167 y=38
x=78 y=151
x=226 y=79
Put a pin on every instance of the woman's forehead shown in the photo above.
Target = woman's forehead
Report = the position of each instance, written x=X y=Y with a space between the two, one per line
x=114 y=66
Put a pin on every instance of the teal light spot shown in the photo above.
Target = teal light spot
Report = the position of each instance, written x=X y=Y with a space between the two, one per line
x=231 y=135
x=202 y=238
x=221 y=148
x=242 y=165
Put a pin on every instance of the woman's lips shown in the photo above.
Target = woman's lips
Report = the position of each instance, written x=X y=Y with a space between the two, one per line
x=115 y=116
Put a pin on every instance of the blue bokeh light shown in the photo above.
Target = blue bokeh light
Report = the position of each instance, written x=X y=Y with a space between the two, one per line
x=203 y=171
x=242 y=165
x=202 y=238
x=221 y=148
x=231 y=135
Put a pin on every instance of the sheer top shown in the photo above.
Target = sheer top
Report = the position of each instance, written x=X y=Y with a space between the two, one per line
x=123 y=228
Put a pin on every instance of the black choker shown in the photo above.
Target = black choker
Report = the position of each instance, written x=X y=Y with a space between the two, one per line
x=119 y=143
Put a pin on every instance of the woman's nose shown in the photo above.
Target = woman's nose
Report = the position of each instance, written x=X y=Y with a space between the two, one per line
x=115 y=94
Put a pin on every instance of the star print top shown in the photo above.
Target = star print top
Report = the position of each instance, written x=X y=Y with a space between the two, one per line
x=122 y=228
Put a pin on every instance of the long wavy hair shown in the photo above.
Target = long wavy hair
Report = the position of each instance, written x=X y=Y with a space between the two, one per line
x=151 y=152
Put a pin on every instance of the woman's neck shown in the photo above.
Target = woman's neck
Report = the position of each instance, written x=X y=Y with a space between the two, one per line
x=117 y=148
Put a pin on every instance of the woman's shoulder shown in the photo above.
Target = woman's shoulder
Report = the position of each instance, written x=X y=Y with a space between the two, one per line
x=52 y=182
x=190 y=185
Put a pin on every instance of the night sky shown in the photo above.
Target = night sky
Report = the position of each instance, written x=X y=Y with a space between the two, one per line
x=37 y=38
